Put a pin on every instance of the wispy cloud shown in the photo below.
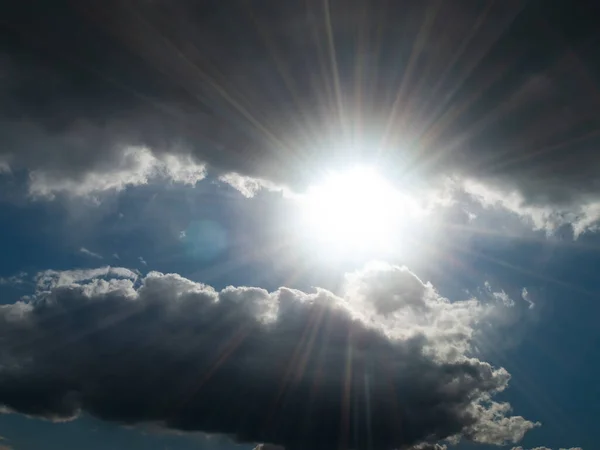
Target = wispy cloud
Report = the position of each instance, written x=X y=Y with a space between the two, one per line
x=500 y=295
x=14 y=279
x=527 y=297
x=87 y=252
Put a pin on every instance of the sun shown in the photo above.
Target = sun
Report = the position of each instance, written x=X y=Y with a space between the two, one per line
x=357 y=210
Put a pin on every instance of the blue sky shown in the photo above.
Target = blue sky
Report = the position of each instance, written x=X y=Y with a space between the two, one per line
x=363 y=225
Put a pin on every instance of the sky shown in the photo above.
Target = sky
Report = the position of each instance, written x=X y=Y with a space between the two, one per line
x=327 y=224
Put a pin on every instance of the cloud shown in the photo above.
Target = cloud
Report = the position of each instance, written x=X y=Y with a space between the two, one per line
x=582 y=215
x=142 y=260
x=249 y=186
x=147 y=103
x=289 y=368
x=136 y=166
x=546 y=448
x=14 y=280
x=50 y=279
x=527 y=297
x=429 y=447
x=87 y=252
x=268 y=447
x=500 y=296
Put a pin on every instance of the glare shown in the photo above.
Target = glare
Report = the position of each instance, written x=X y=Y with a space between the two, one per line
x=355 y=210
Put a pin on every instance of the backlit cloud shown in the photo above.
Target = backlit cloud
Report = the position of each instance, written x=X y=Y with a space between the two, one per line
x=149 y=103
x=385 y=364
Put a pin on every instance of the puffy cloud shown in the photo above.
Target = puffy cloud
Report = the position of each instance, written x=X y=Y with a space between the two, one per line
x=290 y=368
x=408 y=307
x=497 y=427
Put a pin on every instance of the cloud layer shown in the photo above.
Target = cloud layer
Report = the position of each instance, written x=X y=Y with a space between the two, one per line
x=385 y=365
x=160 y=89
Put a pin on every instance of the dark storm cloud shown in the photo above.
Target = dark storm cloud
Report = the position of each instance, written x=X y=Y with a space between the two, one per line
x=287 y=368
x=505 y=93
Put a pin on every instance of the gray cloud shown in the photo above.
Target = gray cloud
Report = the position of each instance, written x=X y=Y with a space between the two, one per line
x=161 y=89
x=289 y=368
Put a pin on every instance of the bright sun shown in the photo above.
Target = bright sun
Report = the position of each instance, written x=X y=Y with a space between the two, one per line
x=356 y=210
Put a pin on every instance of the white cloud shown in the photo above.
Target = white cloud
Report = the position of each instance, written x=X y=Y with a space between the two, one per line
x=498 y=427
x=582 y=216
x=87 y=252
x=50 y=279
x=250 y=186
x=136 y=166
x=405 y=306
x=504 y=298
x=500 y=295
x=527 y=297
